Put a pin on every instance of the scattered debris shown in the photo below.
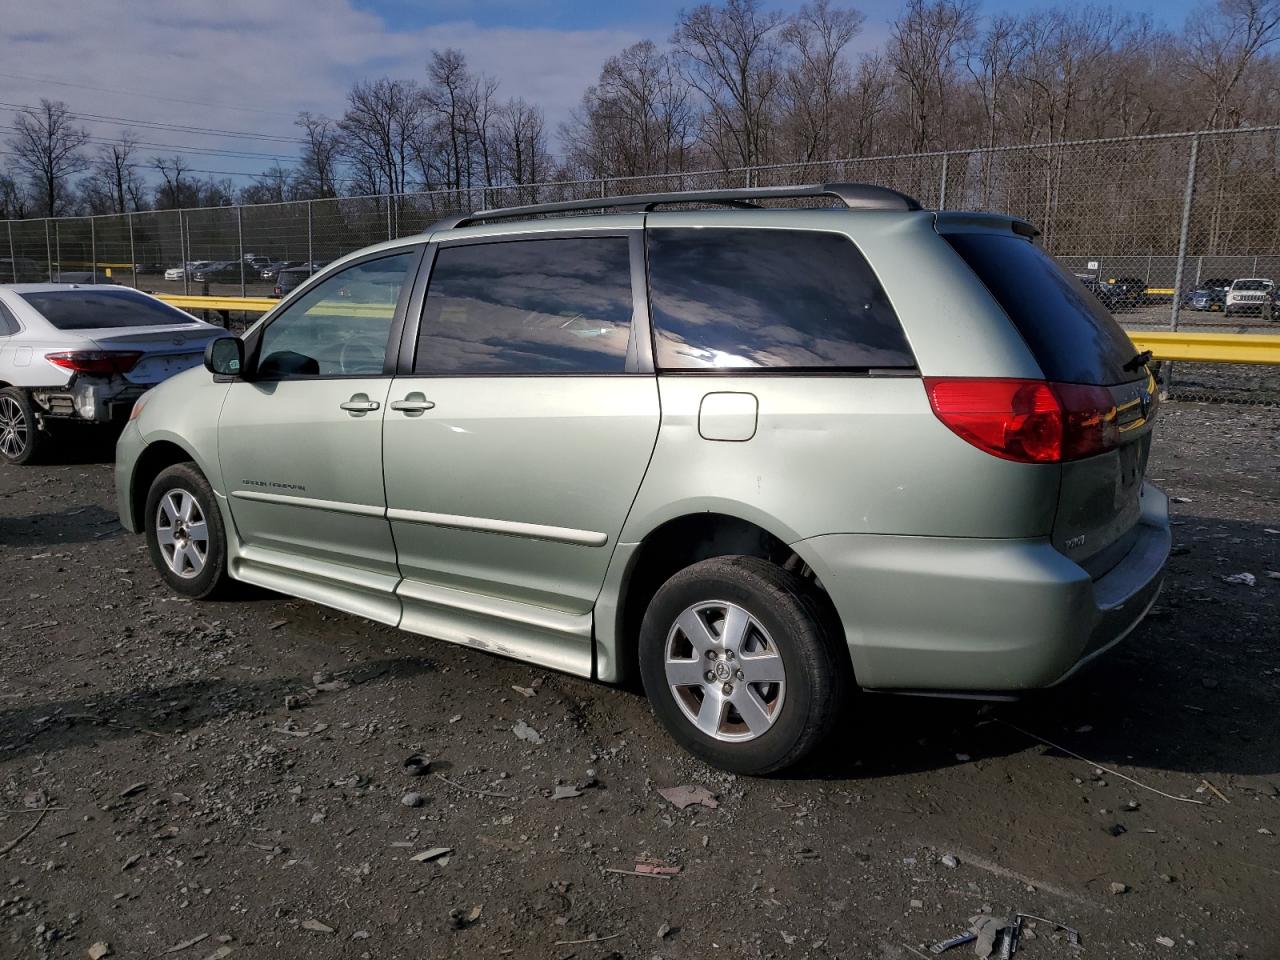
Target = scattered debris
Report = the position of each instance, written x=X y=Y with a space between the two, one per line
x=129 y=863
x=1114 y=773
x=1266 y=832
x=277 y=624
x=950 y=862
x=657 y=869
x=416 y=765
x=411 y=799
x=1165 y=941
x=990 y=934
x=574 y=943
x=1206 y=785
x=1247 y=579
x=327 y=684
x=666 y=930
x=435 y=853
x=220 y=954
x=639 y=873
x=98 y=950
x=1118 y=888
x=482 y=793
x=565 y=792
x=688 y=795
x=524 y=691
x=317 y=926
x=133 y=788
x=186 y=944
x=27 y=832
x=526 y=732
x=459 y=919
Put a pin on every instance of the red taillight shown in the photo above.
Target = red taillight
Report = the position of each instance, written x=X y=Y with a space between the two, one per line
x=102 y=362
x=1030 y=421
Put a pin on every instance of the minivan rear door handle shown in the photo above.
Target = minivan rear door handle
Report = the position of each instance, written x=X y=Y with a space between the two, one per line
x=414 y=405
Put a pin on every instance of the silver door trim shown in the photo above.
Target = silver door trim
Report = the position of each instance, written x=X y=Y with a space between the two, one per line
x=310 y=503
x=510 y=528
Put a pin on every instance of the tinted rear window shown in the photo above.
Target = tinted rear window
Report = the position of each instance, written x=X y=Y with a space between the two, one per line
x=1072 y=336
x=777 y=299
x=96 y=309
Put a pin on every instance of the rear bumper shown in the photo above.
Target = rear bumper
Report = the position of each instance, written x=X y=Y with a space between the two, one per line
x=968 y=615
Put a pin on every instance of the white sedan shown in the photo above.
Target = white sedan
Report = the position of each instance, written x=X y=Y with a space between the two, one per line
x=71 y=352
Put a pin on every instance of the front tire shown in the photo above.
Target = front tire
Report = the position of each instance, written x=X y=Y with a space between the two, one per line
x=743 y=665
x=21 y=439
x=185 y=536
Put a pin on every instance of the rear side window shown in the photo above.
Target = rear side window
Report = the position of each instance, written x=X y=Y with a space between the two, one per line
x=768 y=299
x=554 y=306
x=98 y=309
x=1071 y=335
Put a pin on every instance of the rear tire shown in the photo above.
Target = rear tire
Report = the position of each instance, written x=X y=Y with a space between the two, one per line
x=185 y=536
x=743 y=664
x=21 y=439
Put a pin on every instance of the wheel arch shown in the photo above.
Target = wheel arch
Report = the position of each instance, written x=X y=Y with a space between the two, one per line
x=155 y=457
x=668 y=548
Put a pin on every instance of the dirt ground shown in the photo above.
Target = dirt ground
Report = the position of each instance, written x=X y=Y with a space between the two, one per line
x=193 y=814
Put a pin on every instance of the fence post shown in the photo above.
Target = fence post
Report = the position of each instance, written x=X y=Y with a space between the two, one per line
x=310 y=253
x=182 y=252
x=93 y=251
x=57 y=247
x=1188 y=194
x=389 y=237
x=13 y=254
x=48 y=249
x=942 y=189
x=240 y=244
x=133 y=255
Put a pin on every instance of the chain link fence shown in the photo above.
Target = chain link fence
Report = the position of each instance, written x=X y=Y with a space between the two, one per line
x=1159 y=227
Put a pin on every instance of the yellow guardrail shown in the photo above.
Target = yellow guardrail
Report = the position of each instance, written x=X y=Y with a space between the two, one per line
x=1163 y=344
x=1209 y=347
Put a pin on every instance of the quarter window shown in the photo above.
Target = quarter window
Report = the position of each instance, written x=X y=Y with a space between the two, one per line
x=553 y=306
x=8 y=322
x=339 y=327
x=772 y=299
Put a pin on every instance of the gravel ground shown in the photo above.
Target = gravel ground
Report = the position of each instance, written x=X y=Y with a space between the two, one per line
x=228 y=780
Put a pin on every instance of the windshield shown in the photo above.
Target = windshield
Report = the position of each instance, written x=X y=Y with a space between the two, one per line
x=1251 y=285
x=96 y=309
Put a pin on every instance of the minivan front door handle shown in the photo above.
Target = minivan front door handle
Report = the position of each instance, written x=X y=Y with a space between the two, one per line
x=359 y=405
x=414 y=405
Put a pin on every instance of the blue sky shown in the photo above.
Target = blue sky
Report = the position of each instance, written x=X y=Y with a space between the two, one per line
x=233 y=74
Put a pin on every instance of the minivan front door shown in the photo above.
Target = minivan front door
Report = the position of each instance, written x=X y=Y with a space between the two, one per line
x=300 y=443
x=515 y=446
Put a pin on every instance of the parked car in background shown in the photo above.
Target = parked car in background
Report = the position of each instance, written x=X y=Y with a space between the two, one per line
x=272 y=270
x=22 y=270
x=1209 y=295
x=1251 y=296
x=740 y=452
x=83 y=276
x=289 y=278
x=225 y=271
x=177 y=273
x=1122 y=293
x=71 y=353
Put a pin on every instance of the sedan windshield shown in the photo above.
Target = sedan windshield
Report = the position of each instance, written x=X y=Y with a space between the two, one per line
x=96 y=309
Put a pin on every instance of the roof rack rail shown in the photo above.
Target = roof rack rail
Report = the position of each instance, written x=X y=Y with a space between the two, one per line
x=855 y=196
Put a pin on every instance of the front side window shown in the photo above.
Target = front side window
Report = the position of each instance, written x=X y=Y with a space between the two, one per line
x=340 y=327
x=553 y=306
x=798 y=300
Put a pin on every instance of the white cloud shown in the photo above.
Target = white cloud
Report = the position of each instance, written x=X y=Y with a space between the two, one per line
x=274 y=56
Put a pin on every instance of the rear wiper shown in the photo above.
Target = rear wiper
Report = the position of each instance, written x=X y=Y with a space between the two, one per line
x=1138 y=361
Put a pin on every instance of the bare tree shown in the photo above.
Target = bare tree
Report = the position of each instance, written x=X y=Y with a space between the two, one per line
x=47 y=150
x=273 y=185
x=317 y=174
x=15 y=202
x=730 y=55
x=114 y=184
x=173 y=191
x=384 y=121
x=925 y=46
x=519 y=144
x=636 y=120
x=817 y=78
x=1224 y=40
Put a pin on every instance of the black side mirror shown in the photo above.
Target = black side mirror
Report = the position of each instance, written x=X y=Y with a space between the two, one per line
x=224 y=357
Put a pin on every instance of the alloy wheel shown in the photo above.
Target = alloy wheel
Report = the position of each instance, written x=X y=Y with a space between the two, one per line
x=182 y=533
x=14 y=429
x=725 y=671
